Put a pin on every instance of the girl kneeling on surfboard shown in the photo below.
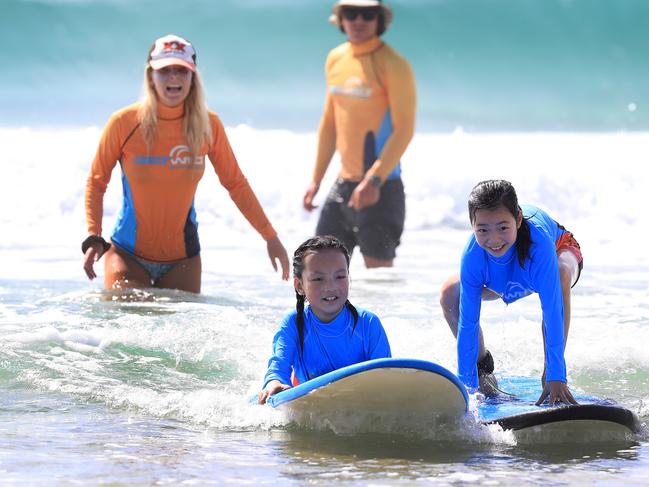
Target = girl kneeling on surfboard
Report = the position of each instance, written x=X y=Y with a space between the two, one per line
x=330 y=333
x=513 y=252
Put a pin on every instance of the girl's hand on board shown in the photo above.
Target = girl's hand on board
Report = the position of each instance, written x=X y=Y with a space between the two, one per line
x=555 y=391
x=273 y=387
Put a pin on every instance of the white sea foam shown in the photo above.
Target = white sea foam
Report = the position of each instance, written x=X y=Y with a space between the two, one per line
x=592 y=183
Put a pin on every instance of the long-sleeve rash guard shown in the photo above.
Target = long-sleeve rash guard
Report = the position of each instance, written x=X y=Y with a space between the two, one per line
x=369 y=113
x=157 y=220
x=505 y=276
x=327 y=346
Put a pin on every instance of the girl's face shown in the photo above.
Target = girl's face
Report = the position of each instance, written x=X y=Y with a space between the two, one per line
x=172 y=84
x=496 y=230
x=324 y=283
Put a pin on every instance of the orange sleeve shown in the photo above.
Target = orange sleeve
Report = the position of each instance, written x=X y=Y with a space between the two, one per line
x=231 y=178
x=108 y=153
x=326 y=140
x=402 y=101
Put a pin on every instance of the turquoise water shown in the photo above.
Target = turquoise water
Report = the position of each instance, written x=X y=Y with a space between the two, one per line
x=485 y=65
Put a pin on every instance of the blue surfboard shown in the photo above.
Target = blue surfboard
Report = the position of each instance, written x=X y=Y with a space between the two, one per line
x=382 y=395
x=408 y=395
x=593 y=419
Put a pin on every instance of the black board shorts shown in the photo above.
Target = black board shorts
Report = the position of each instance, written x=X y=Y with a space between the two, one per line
x=376 y=230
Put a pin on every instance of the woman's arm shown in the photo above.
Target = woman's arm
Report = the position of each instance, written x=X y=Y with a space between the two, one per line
x=108 y=153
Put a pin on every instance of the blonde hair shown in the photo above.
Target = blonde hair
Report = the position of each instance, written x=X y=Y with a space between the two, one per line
x=196 y=120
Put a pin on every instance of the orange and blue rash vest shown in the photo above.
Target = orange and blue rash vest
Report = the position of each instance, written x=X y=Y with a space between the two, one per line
x=369 y=113
x=157 y=220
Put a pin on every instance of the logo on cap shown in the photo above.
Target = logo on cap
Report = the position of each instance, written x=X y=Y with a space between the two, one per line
x=174 y=46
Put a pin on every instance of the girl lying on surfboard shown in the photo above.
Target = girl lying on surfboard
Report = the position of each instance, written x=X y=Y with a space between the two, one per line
x=513 y=252
x=330 y=333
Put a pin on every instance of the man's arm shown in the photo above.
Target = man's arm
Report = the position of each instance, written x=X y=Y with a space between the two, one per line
x=402 y=101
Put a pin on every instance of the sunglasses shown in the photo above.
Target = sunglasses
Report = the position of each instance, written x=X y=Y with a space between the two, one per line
x=368 y=14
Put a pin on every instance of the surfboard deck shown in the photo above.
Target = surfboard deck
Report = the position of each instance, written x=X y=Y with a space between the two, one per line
x=377 y=393
x=408 y=395
x=593 y=419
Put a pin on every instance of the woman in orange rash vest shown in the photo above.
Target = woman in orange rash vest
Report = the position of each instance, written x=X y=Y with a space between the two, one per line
x=161 y=143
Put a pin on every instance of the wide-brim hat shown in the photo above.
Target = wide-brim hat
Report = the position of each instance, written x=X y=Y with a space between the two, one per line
x=172 y=50
x=335 y=16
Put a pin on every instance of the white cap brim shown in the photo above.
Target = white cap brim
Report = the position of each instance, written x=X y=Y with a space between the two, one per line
x=335 y=16
x=171 y=61
x=358 y=3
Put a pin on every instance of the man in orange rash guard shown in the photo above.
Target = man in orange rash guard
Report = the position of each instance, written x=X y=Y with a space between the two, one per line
x=155 y=240
x=369 y=117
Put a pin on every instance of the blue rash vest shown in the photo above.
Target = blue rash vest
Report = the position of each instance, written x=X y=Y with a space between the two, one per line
x=505 y=276
x=327 y=346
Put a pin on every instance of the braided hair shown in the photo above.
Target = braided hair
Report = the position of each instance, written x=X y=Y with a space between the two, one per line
x=311 y=246
x=491 y=195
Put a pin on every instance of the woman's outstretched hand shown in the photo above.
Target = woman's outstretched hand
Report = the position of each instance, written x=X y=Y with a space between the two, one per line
x=92 y=255
x=276 y=251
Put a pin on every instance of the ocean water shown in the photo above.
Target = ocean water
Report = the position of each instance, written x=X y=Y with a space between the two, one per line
x=485 y=65
x=98 y=389
x=103 y=388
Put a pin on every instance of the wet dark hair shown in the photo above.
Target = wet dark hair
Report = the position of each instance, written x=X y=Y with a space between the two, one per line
x=491 y=195
x=310 y=246
x=380 y=30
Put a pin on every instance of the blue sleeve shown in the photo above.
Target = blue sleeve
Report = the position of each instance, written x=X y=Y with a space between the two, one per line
x=468 y=338
x=544 y=272
x=543 y=221
x=376 y=341
x=285 y=349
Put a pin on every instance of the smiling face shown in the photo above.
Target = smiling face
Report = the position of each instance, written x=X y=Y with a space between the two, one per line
x=172 y=84
x=496 y=229
x=324 y=282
